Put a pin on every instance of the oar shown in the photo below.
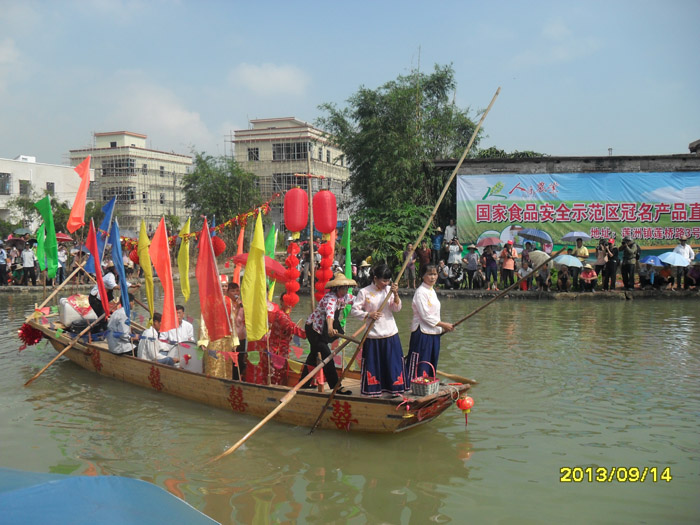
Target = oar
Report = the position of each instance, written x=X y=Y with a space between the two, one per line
x=283 y=402
x=455 y=377
x=505 y=291
x=77 y=338
x=407 y=259
x=58 y=289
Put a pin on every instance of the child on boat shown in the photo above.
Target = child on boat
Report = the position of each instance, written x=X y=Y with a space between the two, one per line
x=382 y=355
x=322 y=327
x=426 y=328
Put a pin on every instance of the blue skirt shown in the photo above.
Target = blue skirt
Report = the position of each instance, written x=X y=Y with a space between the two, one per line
x=423 y=347
x=382 y=366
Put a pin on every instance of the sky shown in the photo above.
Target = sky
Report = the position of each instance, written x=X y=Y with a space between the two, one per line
x=576 y=77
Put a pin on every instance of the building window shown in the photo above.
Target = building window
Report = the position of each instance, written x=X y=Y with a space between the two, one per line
x=282 y=182
x=24 y=187
x=162 y=171
x=144 y=196
x=253 y=154
x=144 y=169
x=289 y=151
x=118 y=167
x=50 y=188
x=320 y=153
x=124 y=194
x=342 y=162
x=5 y=183
x=162 y=198
x=328 y=156
x=112 y=144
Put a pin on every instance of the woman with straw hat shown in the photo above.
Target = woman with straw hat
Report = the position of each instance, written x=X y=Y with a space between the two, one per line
x=382 y=355
x=322 y=327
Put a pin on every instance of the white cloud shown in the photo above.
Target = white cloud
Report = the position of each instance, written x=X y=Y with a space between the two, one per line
x=691 y=194
x=270 y=79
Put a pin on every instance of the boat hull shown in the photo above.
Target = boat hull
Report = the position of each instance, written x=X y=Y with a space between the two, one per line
x=350 y=413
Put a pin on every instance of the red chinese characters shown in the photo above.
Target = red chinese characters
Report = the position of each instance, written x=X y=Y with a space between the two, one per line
x=235 y=399
x=154 y=378
x=342 y=415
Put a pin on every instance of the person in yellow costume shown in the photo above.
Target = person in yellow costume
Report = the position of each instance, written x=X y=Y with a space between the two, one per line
x=216 y=362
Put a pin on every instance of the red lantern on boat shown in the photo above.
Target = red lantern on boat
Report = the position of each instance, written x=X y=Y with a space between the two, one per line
x=325 y=213
x=219 y=245
x=465 y=404
x=296 y=217
x=134 y=256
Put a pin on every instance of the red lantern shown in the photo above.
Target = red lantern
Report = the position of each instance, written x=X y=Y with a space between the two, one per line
x=465 y=404
x=134 y=256
x=219 y=245
x=291 y=299
x=292 y=287
x=325 y=212
x=296 y=210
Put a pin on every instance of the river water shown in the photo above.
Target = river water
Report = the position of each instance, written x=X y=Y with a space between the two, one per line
x=585 y=385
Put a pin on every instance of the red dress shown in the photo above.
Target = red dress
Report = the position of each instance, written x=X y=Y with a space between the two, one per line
x=282 y=328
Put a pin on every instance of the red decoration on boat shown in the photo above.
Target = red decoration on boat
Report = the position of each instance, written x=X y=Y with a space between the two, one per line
x=29 y=335
x=154 y=378
x=134 y=256
x=187 y=358
x=342 y=415
x=465 y=404
x=235 y=399
x=219 y=245
x=96 y=361
x=325 y=212
x=296 y=210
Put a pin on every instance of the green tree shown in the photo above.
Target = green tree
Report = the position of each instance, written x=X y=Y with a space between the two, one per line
x=219 y=186
x=495 y=153
x=392 y=135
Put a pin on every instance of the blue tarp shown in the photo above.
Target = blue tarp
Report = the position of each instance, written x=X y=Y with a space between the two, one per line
x=30 y=497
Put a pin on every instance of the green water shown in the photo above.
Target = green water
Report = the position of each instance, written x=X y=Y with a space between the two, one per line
x=594 y=384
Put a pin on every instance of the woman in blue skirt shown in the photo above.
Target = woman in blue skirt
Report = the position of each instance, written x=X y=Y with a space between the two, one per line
x=426 y=328
x=382 y=355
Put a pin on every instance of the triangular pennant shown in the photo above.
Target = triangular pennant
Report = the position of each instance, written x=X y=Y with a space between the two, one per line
x=254 y=358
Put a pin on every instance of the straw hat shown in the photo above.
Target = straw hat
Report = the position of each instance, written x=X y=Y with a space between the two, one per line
x=340 y=280
x=472 y=245
x=438 y=229
x=588 y=266
x=363 y=264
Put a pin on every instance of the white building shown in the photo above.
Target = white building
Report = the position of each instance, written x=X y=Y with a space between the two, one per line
x=277 y=150
x=23 y=175
x=146 y=182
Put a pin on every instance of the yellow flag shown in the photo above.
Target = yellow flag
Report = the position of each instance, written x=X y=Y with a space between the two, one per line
x=145 y=263
x=183 y=260
x=253 y=287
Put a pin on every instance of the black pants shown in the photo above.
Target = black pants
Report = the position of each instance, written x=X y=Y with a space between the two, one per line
x=575 y=271
x=3 y=274
x=319 y=345
x=609 y=276
x=627 y=272
x=29 y=273
x=96 y=305
x=242 y=360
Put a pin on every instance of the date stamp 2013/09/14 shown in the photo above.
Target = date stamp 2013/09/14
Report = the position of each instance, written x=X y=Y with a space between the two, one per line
x=617 y=474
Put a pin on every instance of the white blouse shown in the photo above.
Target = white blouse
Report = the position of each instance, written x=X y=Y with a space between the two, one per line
x=368 y=300
x=426 y=310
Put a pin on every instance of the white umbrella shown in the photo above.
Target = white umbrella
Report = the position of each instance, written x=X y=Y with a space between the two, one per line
x=568 y=260
x=673 y=259
x=572 y=236
x=538 y=257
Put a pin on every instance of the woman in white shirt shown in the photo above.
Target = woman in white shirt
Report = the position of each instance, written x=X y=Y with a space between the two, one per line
x=382 y=355
x=426 y=328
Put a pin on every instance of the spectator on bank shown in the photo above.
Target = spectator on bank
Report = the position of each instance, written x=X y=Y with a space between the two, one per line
x=436 y=239
x=544 y=279
x=646 y=275
x=423 y=252
x=630 y=256
x=564 y=279
x=588 y=278
x=693 y=275
x=28 y=265
x=525 y=273
x=610 y=269
x=443 y=275
x=490 y=265
x=508 y=256
x=664 y=280
x=687 y=252
x=525 y=254
x=478 y=280
x=471 y=264
x=456 y=276
x=581 y=253
x=450 y=231
x=410 y=254
x=364 y=274
x=601 y=256
x=454 y=251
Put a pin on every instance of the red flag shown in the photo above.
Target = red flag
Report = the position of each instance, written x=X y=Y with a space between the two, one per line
x=91 y=244
x=160 y=258
x=77 y=212
x=211 y=298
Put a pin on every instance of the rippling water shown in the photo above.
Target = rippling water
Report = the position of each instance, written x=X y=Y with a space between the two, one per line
x=577 y=384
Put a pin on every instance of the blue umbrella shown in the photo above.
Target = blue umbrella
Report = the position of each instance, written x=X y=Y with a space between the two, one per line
x=568 y=260
x=533 y=234
x=651 y=259
x=673 y=259
x=572 y=236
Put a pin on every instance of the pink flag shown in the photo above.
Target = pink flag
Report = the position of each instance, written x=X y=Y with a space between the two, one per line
x=77 y=212
x=160 y=258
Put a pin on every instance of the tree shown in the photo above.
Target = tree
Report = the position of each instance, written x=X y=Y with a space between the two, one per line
x=495 y=153
x=219 y=186
x=392 y=135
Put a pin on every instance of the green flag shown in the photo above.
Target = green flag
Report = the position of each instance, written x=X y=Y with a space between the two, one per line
x=50 y=245
x=270 y=244
x=40 y=250
x=345 y=243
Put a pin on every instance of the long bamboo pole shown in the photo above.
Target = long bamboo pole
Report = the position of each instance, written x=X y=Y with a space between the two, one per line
x=77 y=338
x=58 y=289
x=413 y=248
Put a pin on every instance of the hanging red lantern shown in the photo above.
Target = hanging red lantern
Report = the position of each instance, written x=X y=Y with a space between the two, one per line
x=219 y=245
x=134 y=256
x=325 y=212
x=296 y=211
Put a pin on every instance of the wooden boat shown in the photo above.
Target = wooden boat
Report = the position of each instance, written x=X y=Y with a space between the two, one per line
x=347 y=412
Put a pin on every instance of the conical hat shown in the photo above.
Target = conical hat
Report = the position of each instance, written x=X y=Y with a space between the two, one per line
x=340 y=280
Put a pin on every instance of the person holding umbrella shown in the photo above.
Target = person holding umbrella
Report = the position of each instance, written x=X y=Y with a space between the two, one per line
x=610 y=268
x=488 y=261
x=581 y=252
x=686 y=251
